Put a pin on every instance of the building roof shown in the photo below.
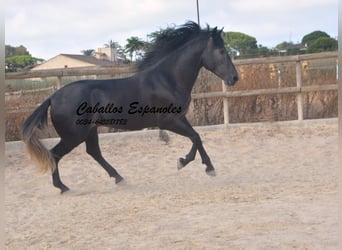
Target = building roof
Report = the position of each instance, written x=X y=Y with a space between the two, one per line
x=73 y=61
x=91 y=60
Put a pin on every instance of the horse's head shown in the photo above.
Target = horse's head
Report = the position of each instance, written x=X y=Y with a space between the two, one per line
x=216 y=59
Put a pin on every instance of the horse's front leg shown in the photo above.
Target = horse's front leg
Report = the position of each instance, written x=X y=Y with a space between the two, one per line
x=196 y=140
x=182 y=126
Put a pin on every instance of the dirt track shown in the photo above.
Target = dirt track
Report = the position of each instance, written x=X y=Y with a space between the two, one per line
x=276 y=188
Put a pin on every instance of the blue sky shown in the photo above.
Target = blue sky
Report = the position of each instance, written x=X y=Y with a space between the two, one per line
x=48 y=28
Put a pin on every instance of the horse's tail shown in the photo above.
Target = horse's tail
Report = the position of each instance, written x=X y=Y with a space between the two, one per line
x=38 y=152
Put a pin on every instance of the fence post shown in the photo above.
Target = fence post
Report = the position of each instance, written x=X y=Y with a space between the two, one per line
x=299 y=86
x=225 y=104
x=59 y=82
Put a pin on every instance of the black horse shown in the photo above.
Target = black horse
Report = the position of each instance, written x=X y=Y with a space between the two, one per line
x=158 y=95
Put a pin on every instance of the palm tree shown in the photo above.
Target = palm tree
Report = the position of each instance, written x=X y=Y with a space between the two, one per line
x=134 y=45
x=112 y=44
x=88 y=52
x=120 y=54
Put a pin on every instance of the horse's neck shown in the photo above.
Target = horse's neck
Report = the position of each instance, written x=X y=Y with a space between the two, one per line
x=186 y=63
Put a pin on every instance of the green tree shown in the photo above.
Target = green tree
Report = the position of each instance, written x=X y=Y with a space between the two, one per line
x=323 y=44
x=15 y=63
x=9 y=51
x=263 y=51
x=283 y=45
x=88 y=52
x=241 y=44
x=18 y=58
x=112 y=44
x=16 y=51
x=120 y=53
x=289 y=48
x=313 y=36
x=134 y=46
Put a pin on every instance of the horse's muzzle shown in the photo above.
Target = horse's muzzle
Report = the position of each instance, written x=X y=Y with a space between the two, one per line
x=231 y=81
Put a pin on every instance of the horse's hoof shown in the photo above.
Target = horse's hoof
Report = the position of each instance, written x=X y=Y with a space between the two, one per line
x=211 y=172
x=118 y=179
x=122 y=183
x=180 y=165
x=64 y=189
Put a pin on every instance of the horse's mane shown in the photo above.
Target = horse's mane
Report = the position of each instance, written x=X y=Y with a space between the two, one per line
x=168 y=40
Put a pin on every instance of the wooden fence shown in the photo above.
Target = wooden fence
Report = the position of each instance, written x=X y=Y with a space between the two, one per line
x=225 y=94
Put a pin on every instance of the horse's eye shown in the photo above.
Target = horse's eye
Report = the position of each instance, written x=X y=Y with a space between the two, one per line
x=222 y=51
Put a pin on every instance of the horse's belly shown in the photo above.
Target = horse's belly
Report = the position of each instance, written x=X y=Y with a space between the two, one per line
x=126 y=121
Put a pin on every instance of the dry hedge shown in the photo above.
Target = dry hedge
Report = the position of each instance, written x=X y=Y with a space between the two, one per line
x=278 y=107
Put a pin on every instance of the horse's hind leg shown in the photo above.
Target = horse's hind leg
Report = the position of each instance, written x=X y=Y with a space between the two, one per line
x=61 y=149
x=93 y=149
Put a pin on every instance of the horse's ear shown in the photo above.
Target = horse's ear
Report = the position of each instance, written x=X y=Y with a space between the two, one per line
x=214 y=31
x=220 y=31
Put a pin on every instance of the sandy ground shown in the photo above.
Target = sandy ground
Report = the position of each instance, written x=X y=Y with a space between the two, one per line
x=276 y=188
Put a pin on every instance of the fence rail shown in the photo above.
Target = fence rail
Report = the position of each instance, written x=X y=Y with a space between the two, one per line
x=21 y=92
x=225 y=94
